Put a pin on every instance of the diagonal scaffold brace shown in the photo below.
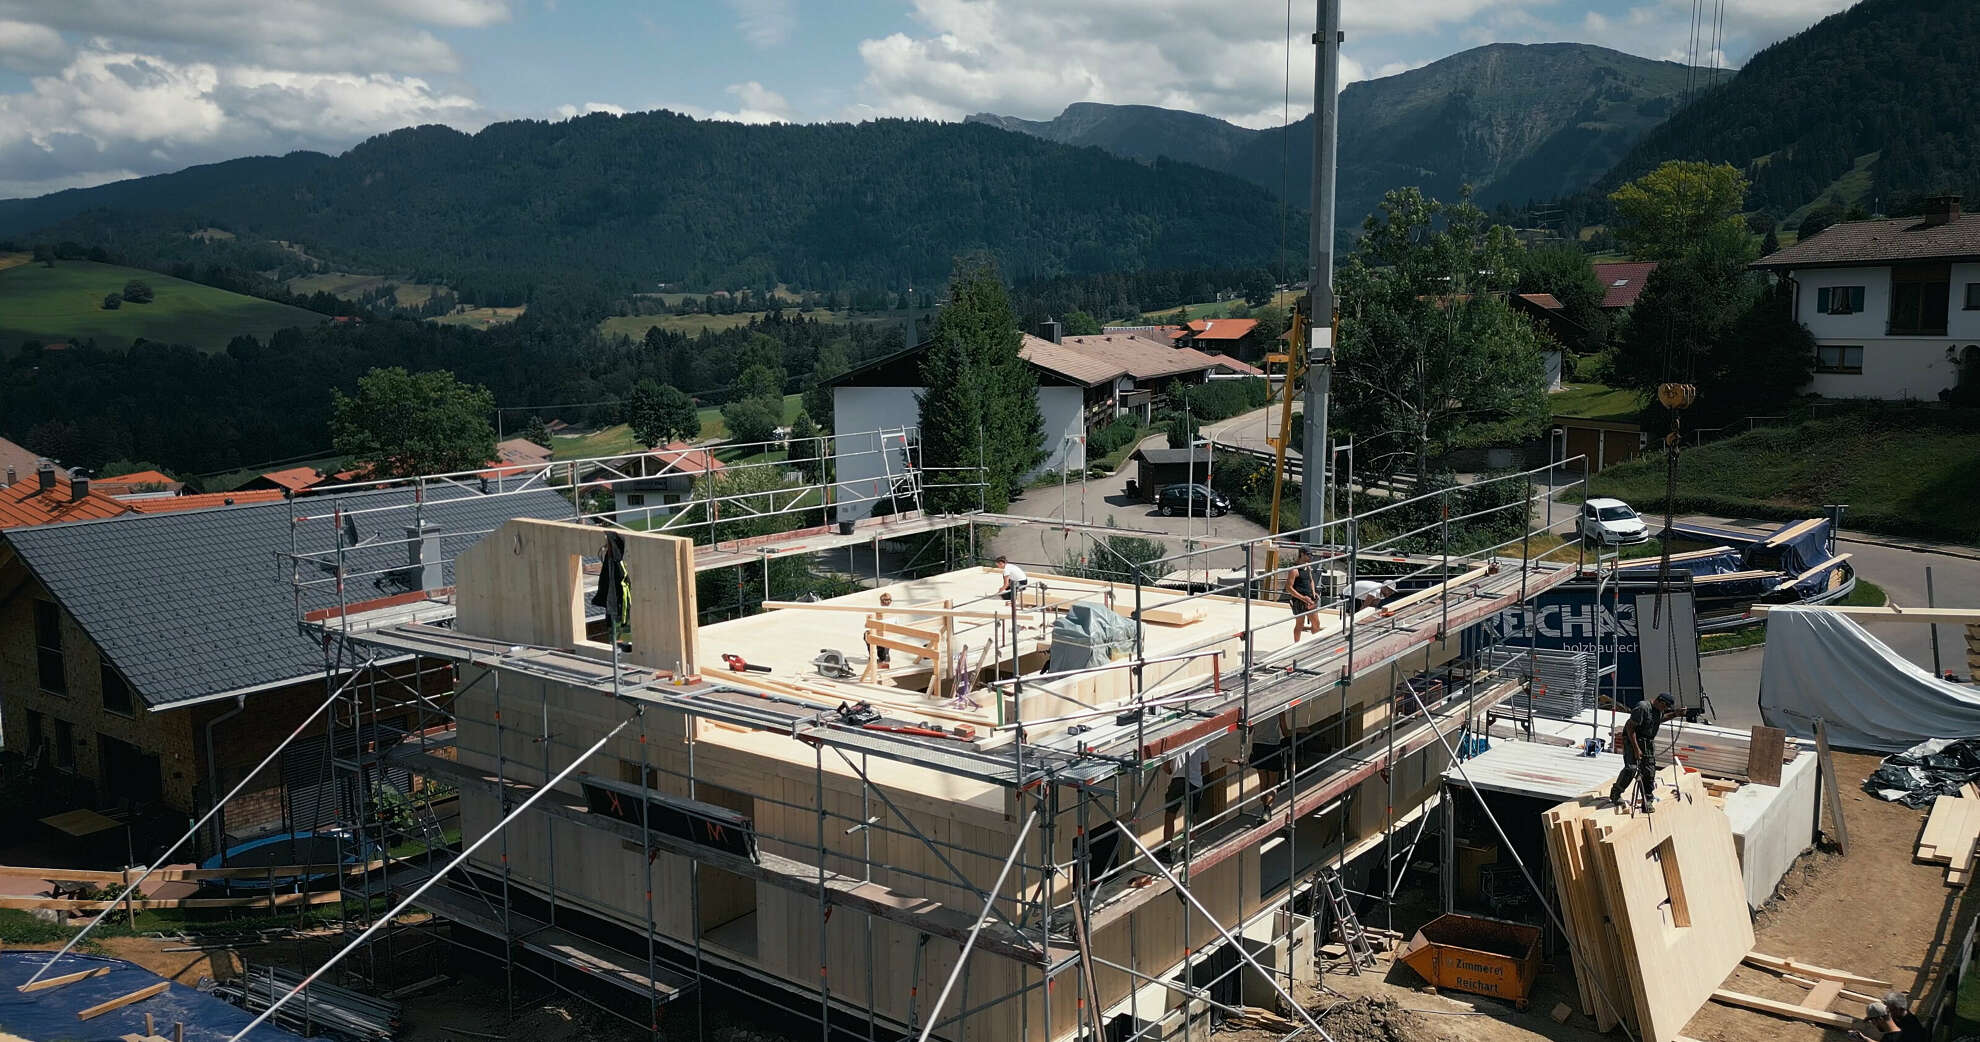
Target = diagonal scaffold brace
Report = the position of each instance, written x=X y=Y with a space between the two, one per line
x=166 y=858
x=962 y=957
x=459 y=859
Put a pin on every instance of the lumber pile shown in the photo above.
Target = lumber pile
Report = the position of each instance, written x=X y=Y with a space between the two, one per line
x=1950 y=833
x=1655 y=907
x=1824 y=988
x=1724 y=751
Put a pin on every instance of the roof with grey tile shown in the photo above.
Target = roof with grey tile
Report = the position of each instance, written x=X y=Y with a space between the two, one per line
x=1881 y=242
x=199 y=603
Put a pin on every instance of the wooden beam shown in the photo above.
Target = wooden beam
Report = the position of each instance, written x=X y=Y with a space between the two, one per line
x=170 y=875
x=1785 y=965
x=891 y=609
x=67 y=978
x=1810 y=573
x=66 y=904
x=1785 y=1009
x=123 y=1000
x=1830 y=793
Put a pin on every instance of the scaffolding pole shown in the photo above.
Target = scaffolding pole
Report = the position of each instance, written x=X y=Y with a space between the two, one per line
x=962 y=957
x=459 y=859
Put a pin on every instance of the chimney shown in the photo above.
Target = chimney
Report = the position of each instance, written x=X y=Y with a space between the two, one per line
x=1050 y=331
x=11 y=478
x=44 y=473
x=424 y=564
x=78 y=484
x=1942 y=209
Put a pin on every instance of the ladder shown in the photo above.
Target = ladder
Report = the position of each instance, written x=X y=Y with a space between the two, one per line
x=1353 y=937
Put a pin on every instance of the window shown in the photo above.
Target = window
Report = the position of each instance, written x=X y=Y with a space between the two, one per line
x=65 y=745
x=1973 y=296
x=635 y=499
x=1919 y=297
x=116 y=693
x=1830 y=358
x=48 y=648
x=1839 y=300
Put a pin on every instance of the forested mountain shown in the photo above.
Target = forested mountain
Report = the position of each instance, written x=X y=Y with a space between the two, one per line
x=1891 y=82
x=1516 y=121
x=621 y=202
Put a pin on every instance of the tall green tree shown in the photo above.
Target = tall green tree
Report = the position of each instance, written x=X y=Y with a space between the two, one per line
x=752 y=419
x=981 y=398
x=1079 y=323
x=1566 y=271
x=804 y=449
x=1679 y=207
x=830 y=362
x=659 y=414
x=400 y=423
x=1430 y=357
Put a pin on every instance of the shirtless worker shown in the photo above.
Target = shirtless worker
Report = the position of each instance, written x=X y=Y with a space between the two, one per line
x=1639 y=747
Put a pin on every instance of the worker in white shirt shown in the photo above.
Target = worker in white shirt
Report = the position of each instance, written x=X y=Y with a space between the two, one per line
x=1186 y=789
x=1014 y=579
x=1369 y=593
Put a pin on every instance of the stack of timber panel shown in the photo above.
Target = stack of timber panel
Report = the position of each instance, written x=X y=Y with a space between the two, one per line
x=1950 y=834
x=1655 y=907
x=1722 y=751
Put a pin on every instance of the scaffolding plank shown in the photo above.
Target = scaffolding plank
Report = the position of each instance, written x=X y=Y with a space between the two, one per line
x=559 y=945
x=787 y=873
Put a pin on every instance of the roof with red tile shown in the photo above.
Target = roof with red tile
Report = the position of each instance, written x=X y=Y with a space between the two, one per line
x=681 y=458
x=1222 y=328
x=25 y=503
x=1623 y=281
x=1544 y=300
x=520 y=450
x=1083 y=368
x=201 y=501
x=1138 y=356
x=137 y=483
x=295 y=479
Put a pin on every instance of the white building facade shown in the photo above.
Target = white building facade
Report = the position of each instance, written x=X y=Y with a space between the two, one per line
x=1893 y=305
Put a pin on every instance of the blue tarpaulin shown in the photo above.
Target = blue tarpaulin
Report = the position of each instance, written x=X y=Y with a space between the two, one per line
x=49 y=1015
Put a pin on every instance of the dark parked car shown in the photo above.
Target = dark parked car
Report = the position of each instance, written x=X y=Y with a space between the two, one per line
x=1176 y=500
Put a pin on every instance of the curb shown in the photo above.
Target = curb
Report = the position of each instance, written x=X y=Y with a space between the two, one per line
x=1961 y=552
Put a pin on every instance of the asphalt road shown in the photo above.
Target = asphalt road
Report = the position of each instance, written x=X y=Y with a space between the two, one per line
x=1104 y=501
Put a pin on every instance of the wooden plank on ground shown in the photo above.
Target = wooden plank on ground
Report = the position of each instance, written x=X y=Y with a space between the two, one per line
x=1781 y=964
x=67 y=978
x=123 y=1000
x=1785 y=1009
x=1763 y=755
x=1831 y=794
x=1823 y=995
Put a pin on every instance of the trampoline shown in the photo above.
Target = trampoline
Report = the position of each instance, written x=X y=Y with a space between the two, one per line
x=289 y=848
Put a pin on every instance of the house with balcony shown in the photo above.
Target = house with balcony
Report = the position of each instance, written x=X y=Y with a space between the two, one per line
x=1894 y=304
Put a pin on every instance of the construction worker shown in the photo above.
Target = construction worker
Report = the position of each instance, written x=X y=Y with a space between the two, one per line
x=1910 y=1028
x=1186 y=790
x=1268 y=753
x=1639 y=747
x=1305 y=593
x=1370 y=593
x=1014 y=579
x=1883 y=1026
x=881 y=655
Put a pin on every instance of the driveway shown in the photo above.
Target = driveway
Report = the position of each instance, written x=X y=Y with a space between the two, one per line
x=1734 y=678
x=1104 y=501
x=1250 y=430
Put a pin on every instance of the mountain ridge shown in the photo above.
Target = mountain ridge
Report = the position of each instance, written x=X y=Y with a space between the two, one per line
x=1516 y=121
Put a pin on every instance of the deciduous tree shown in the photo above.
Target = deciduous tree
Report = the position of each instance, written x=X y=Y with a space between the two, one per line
x=401 y=423
x=1430 y=357
x=1679 y=207
x=1079 y=323
x=659 y=414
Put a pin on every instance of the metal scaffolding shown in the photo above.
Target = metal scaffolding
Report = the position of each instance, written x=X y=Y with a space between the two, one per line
x=1099 y=775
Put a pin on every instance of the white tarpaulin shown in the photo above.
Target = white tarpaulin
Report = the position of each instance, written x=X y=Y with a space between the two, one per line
x=1822 y=664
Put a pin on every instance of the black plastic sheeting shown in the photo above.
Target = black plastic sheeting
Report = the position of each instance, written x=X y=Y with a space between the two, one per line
x=1933 y=768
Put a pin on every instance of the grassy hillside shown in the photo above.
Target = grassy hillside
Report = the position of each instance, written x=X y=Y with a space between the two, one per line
x=65 y=302
x=618 y=440
x=1902 y=473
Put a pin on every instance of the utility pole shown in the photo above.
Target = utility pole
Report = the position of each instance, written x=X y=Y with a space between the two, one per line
x=1320 y=261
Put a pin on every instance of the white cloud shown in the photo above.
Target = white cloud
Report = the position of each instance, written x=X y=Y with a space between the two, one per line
x=1663 y=28
x=28 y=46
x=589 y=107
x=765 y=23
x=1032 y=57
x=109 y=113
x=755 y=103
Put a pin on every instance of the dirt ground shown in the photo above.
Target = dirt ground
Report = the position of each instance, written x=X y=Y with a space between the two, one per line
x=1874 y=912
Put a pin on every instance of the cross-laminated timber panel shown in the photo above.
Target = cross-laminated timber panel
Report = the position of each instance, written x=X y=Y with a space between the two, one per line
x=524 y=584
x=1655 y=902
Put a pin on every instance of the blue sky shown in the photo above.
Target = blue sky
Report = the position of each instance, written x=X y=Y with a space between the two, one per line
x=97 y=90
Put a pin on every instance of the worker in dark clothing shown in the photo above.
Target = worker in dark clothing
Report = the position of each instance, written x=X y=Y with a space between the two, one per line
x=1639 y=746
x=1910 y=1028
x=1883 y=1027
x=1305 y=593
